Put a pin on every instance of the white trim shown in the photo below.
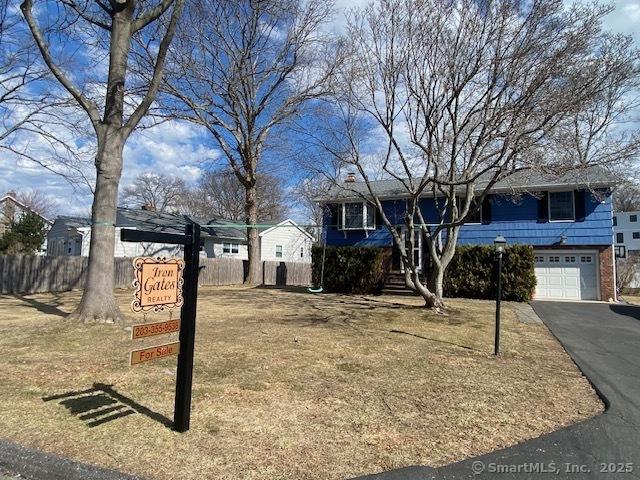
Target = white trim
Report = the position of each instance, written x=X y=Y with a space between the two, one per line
x=403 y=235
x=288 y=220
x=573 y=203
x=365 y=209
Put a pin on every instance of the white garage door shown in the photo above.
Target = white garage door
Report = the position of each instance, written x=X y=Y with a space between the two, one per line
x=569 y=275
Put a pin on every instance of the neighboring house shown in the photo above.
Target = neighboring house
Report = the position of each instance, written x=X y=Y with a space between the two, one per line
x=626 y=228
x=285 y=241
x=568 y=221
x=12 y=209
x=71 y=236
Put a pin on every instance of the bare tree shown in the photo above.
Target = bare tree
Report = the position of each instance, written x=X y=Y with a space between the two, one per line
x=156 y=191
x=34 y=120
x=242 y=69
x=627 y=197
x=104 y=29
x=307 y=193
x=38 y=202
x=465 y=94
x=220 y=194
x=627 y=270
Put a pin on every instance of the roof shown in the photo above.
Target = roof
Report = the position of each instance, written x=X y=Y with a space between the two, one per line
x=222 y=228
x=173 y=223
x=24 y=207
x=293 y=224
x=522 y=180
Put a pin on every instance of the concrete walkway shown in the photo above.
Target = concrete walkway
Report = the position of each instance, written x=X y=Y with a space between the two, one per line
x=604 y=341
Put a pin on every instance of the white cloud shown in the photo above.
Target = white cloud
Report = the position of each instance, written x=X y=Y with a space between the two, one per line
x=625 y=18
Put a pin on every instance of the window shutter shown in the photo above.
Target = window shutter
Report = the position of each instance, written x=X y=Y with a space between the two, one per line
x=334 y=216
x=543 y=207
x=486 y=210
x=579 y=203
x=378 y=216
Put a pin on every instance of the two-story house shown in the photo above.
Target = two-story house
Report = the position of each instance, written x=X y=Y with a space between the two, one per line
x=626 y=228
x=567 y=219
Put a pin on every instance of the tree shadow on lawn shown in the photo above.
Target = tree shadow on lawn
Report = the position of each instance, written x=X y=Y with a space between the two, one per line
x=101 y=404
x=49 y=308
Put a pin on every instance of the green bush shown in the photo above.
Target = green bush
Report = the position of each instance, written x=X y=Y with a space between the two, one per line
x=349 y=269
x=471 y=273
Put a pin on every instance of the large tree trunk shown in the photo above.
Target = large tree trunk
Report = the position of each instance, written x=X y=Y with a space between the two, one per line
x=254 y=275
x=437 y=280
x=98 y=302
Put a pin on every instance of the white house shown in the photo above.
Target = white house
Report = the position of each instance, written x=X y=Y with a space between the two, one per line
x=11 y=210
x=626 y=229
x=285 y=241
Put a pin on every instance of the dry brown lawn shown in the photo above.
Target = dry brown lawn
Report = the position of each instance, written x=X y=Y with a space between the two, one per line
x=289 y=385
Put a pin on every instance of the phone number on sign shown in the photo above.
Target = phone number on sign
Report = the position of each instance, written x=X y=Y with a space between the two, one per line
x=159 y=328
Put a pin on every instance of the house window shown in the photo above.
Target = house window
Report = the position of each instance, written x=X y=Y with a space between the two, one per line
x=554 y=259
x=561 y=206
x=230 y=248
x=475 y=214
x=278 y=251
x=615 y=221
x=358 y=216
x=539 y=259
x=301 y=252
x=636 y=235
x=570 y=259
x=633 y=218
x=619 y=237
x=586 y=259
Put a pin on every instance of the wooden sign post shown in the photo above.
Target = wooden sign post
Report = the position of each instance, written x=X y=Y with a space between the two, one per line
x=162 y=284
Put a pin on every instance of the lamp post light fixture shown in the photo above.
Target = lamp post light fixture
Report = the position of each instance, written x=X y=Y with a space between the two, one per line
x=500 y=243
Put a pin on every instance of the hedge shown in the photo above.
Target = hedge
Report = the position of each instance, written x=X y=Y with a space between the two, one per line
x=349 y=269
x=471 y=273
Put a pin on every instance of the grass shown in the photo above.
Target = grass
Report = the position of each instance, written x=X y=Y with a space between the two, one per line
x=289 y=385
x=632 y=299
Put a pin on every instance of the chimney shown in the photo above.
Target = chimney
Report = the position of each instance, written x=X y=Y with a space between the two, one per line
x=350 y=178
x=149 y=207
x=11 y=193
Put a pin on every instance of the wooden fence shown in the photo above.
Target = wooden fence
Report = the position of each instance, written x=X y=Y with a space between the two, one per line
x=36 y=274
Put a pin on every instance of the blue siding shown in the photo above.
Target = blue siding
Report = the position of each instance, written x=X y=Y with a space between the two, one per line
x=516 y=218
x=517 y=221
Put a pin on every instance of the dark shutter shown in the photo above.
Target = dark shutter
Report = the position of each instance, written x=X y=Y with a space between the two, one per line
x=378 y=216
x=543 y=207
x=579 y=202
x=334 y=216
x=486 y=210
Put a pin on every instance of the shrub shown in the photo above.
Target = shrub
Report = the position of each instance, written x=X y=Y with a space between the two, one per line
x=349 y=269
x=471 y=273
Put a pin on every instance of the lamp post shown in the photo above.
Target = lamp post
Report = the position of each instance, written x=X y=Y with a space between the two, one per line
x=499 y=242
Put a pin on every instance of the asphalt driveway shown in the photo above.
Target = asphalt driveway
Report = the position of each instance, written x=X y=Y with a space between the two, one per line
x=604 y=341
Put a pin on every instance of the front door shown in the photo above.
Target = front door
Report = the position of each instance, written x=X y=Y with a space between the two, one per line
x=417 y=247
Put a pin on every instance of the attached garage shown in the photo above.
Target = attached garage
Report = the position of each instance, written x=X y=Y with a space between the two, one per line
x=567 y=274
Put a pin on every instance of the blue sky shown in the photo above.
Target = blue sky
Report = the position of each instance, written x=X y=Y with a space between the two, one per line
x=182 y=150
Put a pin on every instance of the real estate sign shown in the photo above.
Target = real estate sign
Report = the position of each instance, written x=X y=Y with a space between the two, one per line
x=151 y=353
x=158 y=284
x=151 y=329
